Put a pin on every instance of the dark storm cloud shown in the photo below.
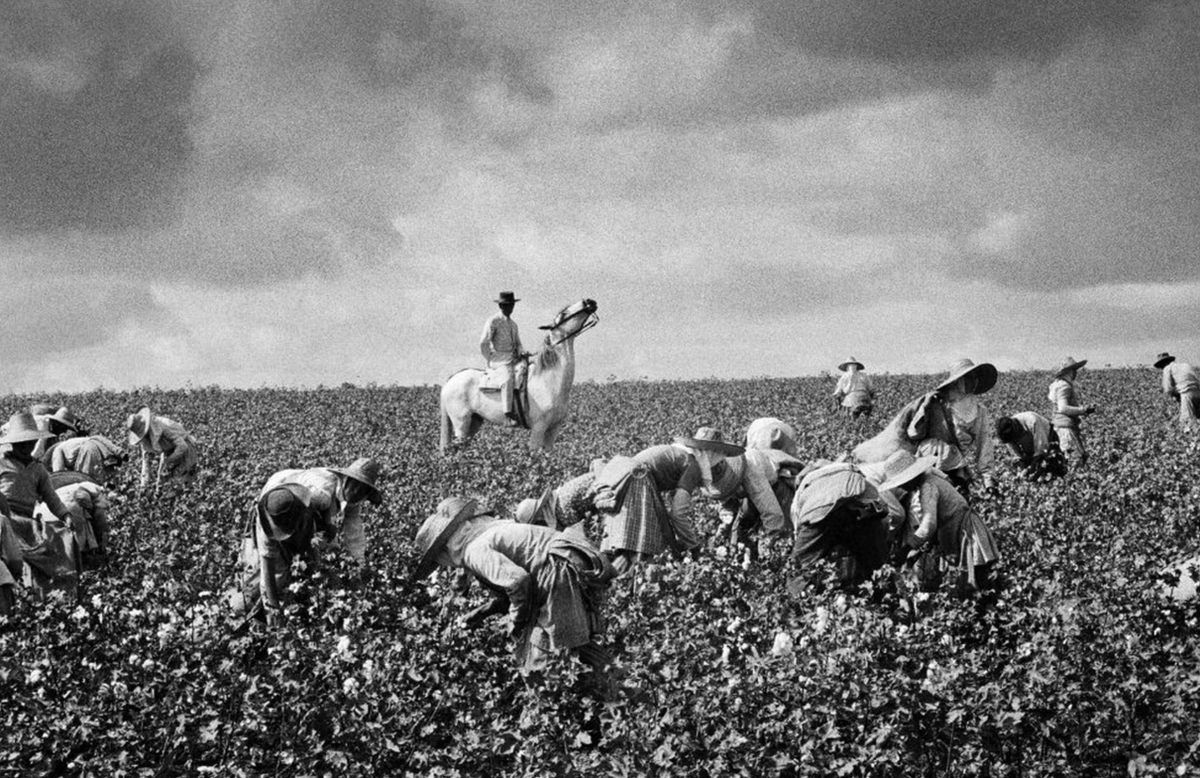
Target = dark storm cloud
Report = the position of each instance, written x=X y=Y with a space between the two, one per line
x=104 y=146
x=917 y=32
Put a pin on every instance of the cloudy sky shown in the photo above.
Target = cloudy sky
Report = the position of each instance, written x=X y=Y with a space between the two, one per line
x=305 y=192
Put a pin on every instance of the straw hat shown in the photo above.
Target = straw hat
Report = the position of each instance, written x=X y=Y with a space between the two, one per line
x=22 y=428
x=849 y=362
x=531 y=509
x=984 y=373
x=1069 y=364
x=771 y=433
x=365 y=471
x=437 y=530
x=286 y=510
x=64 y=417
x=709 y=439
x=1162 y=360
x=902 y=467
x=507 y=298
x=138 y=425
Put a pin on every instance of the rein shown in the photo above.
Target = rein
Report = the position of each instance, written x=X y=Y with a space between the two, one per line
x=592 y=321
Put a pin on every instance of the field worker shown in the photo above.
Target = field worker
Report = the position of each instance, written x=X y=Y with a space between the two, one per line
x=95 y=456
x=500 y=345
x=1180 y=381
x=88 y=502
x=63 y=425
x=288 y=524
x=647 y=498
x=854 y=390
x=939 y=518
x=1064 y=396
x=48 y=550
x=551 y=582
x=952 y=414
x=178 y=453
x=1035 y=443
x=837 y=514
x=42 y=414
x=24 y=480
x=756 y=490
x=338 y=494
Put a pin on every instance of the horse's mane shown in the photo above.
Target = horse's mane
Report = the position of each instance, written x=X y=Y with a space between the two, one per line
x=548 y=357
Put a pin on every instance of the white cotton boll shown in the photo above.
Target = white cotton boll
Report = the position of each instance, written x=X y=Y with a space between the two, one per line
x=822 y=622
x=343 y=646
x=783 y=644
x=721 y=552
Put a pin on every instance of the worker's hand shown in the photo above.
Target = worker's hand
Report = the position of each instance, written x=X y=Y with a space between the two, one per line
x=461 y=582
x=1090 y=410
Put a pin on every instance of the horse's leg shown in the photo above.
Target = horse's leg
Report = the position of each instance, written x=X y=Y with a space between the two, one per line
x=537 y=439
x=551 y=436
x=446 y=430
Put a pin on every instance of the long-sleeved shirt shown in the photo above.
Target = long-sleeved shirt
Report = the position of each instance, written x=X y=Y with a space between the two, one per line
x=671 y=467
x=167 y=438
x=328 y=500
x=826 y=489
x=1180 y=378
x=934 y=503
x=23 y=485
x=507 y=556
x=854 y=388
x=755 y=473
x=1067 y=410
x=91 y=456
x=500 y=343
x=1034 y=439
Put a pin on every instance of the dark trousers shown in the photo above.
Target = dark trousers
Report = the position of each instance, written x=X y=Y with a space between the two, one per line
x=851 y=532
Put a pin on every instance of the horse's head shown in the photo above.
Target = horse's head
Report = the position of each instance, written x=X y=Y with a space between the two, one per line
x=573 y=319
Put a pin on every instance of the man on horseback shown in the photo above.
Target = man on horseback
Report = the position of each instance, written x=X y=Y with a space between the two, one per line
x=501 y=347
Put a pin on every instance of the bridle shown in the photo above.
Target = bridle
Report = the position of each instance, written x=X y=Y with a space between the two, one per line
x=593 y=318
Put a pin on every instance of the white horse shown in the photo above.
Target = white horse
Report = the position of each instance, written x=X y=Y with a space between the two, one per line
x=548 y=383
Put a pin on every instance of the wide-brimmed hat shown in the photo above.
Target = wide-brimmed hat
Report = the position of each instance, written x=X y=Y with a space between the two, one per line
x=1162 y=360
x=710 y=439
x=771 y=433
x=138 y=425
x=507 y=298
x=902 y=467
x=984 y=373
x=22 y=427
x=64 y=417
x=1068 y=364
x=849 y=362
x=365 y=471
x=531 y=508
x=286 y=510
x=436 y=531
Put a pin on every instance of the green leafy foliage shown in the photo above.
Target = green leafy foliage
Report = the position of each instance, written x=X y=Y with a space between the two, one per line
x=1076 y=666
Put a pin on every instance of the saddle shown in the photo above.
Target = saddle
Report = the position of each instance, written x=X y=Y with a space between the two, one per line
x=494 y=380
